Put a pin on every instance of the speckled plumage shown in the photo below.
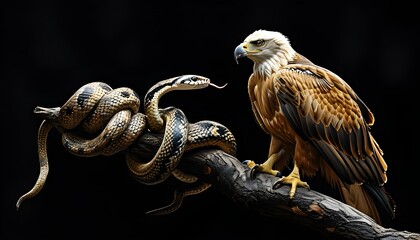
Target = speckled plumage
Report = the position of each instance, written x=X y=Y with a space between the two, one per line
x=317 y=120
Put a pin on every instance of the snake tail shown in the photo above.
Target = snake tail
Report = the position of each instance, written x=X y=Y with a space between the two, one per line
x=43 y=131
x=179 y=195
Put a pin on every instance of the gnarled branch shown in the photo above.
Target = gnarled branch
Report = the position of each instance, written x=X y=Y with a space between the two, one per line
x=334 y=219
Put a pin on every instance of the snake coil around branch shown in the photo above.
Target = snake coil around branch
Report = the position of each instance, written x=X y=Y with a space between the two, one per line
x=99 y=120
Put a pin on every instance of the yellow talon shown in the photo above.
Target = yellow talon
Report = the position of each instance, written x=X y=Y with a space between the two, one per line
x=293 y=179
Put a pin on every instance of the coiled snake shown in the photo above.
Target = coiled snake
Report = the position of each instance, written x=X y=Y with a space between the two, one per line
x=99 y=120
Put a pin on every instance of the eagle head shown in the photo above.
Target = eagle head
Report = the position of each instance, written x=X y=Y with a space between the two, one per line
x=268 y=50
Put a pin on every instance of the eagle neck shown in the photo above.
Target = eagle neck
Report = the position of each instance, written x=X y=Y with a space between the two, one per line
x=269 y=64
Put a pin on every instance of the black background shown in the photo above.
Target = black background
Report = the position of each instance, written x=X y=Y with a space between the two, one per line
x=50 y=49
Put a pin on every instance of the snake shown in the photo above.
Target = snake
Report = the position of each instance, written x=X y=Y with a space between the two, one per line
x=99 y=120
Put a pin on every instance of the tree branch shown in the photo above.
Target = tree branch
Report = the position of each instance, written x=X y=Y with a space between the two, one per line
x=334 y=219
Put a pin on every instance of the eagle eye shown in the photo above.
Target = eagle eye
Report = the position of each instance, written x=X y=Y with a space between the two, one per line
x=259 y=42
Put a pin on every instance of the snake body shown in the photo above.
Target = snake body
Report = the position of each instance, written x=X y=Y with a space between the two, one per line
x=99 y=120
x=169 y=154
x=113 y=114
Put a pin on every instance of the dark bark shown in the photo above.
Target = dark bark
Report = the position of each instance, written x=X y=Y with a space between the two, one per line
x=309 y=208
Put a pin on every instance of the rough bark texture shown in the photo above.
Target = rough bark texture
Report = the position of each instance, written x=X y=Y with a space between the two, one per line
x=312 y=209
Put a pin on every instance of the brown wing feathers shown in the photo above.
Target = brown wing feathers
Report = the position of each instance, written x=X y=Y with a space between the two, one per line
x=323 y=109
x=318 y=111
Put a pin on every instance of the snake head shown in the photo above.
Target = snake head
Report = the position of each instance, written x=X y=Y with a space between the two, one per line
x=50 y=114
x=193 y=82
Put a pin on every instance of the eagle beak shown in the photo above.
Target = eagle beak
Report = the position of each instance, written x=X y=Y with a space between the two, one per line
x=240 y=52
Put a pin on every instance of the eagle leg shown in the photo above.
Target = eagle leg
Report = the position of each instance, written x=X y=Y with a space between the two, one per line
x=293 y=179
x=266 y=167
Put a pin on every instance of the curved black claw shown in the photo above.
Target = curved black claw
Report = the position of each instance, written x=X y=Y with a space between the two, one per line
x=278 y=183
x=245 y=162
x=253 y=171
x=253 y=166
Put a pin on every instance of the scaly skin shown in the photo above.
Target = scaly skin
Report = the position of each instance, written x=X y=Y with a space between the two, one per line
x=113 y=115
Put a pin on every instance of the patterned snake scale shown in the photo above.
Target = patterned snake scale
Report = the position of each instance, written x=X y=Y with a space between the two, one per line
x=98 y=120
